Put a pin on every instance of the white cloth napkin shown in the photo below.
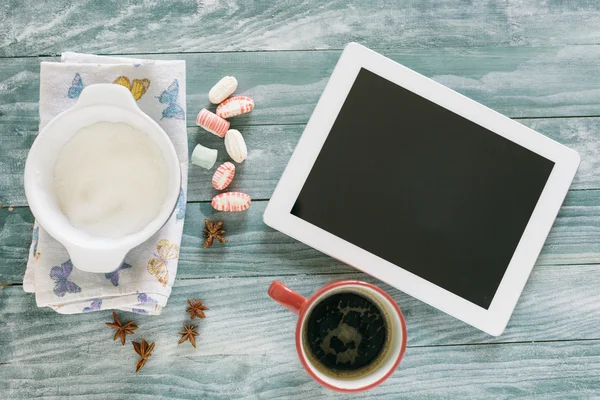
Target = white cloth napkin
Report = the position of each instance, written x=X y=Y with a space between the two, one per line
x=143 y=282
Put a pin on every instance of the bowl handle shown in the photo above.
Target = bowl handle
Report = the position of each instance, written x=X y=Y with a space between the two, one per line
x=107 y=93
x=96 y=260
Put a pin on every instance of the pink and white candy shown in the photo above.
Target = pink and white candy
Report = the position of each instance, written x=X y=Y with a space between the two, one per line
x=212 y=123
x=223 y=176
x=235 y=106
x=231 y=201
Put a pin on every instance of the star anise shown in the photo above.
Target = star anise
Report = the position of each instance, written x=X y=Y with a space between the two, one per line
x=213 y=231
x=189 y=334
x=144 y=351
x=122 y=330
x=196 y=309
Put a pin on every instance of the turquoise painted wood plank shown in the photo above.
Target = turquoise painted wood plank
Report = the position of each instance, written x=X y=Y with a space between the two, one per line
x=256 y=250
x=558 y=303
x=270 y=147
x=113 y=26
x=516 y=81
x=246 y=346
x=566 y=370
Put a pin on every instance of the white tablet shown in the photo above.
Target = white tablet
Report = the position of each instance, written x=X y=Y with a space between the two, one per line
x=422 y=188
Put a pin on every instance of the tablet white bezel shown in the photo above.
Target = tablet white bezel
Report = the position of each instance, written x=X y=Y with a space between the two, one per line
x=278 y=216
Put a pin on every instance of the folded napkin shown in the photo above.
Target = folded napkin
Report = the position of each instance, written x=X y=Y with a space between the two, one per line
x=142 y=284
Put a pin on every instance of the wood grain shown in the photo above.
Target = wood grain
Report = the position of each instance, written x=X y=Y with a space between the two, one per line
x=558 y=303
x=256 y=250
x=524 y=58
x=270 y=148
x=246 y=345
x=564 y=370
x=516 y=81
x=116 y=27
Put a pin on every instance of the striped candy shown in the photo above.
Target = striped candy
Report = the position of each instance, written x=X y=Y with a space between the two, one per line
x=235 y=106
x=223 y=176
x=231 y=201
x=212 y=123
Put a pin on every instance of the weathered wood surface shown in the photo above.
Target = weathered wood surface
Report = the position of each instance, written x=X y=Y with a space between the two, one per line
x=529 y=59
x=558 y=303
x=246 y=346
x=94 y=371
x=286 y=85
x=516 y=81
x=32 y=27
x=269 y=149
x=256 y=250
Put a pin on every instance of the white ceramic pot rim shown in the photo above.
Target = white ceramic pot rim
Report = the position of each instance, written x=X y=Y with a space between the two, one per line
x=97 y=103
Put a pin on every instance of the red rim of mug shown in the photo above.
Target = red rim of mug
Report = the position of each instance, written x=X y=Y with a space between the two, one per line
x=302 y=315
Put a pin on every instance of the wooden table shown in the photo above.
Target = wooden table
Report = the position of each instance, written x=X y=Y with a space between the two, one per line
x=535 y=61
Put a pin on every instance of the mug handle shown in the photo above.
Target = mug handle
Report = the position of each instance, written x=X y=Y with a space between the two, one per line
x=286 y=297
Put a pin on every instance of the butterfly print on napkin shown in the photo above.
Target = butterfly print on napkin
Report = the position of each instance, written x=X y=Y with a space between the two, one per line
x=137 y=88
x=158 y=266
x=169 y=97
x=61 y=275
x=95 y=306
x=114 y=276
x=76 y=87
x=145 y=299
x=34 y=240
x=180 y=207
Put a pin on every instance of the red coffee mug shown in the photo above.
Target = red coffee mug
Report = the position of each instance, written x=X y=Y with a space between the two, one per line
x=302 y=306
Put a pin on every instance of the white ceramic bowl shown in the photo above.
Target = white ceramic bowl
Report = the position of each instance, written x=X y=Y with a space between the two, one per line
x=97 y=103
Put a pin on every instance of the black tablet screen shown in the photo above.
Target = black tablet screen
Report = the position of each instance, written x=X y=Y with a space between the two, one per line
x=423 y=188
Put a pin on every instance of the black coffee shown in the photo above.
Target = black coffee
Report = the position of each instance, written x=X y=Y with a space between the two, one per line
x=346 y=332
